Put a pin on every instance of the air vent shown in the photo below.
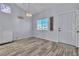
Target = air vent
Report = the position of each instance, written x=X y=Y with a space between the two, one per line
x=20 y=17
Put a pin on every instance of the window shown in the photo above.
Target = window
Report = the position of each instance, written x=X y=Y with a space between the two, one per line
x=42 y=24
x=5 y=8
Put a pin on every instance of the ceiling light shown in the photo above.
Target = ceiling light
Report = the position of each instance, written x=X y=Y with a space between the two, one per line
x=28 y=13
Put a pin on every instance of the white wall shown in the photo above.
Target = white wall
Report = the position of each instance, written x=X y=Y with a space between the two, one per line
x=54 y=11
x=9 y=22
x=27 y=27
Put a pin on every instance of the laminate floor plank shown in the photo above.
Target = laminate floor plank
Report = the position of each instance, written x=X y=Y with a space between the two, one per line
x=37 y=47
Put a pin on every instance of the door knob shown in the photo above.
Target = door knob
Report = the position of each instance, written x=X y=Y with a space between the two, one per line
x=77 y=31
x=59 y=29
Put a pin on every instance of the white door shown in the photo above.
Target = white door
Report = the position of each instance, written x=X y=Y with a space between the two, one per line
x=77 y=27
x=7 y=36
x=66 y=28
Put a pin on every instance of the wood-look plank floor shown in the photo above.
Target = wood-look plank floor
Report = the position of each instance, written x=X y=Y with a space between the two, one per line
x=37 y=47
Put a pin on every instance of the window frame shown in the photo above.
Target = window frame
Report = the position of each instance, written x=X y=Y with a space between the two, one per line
x=42 y=25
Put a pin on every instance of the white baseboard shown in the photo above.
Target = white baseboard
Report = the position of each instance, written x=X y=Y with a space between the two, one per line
x=47 y=38
x=21 y=37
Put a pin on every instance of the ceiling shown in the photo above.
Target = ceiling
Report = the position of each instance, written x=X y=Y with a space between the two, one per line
x=37 y=8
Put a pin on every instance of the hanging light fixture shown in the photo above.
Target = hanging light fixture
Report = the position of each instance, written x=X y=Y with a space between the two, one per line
x=28 y=13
